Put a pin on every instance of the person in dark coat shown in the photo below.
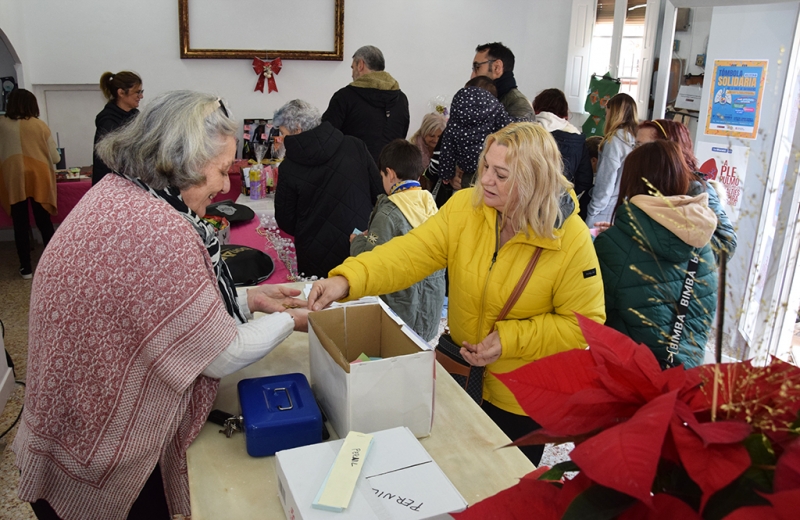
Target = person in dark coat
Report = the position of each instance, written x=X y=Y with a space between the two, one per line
x=328 y=186
x=552 y=111
x=372 y=107
x=123 y=91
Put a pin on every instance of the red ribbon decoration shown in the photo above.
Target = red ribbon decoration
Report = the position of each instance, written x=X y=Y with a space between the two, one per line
x=266 y=69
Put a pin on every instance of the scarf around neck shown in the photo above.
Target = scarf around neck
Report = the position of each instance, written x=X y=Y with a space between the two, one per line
x=172 y=196
x=504 y=84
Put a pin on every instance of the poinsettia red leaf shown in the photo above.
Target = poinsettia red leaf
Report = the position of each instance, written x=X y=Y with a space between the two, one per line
x=719 y=432
x=605 y=342
x=751 y=512
x=590 y=410
x=625 y=457
x=627 y=383
x=543 y=388
x=516 y=503
x=665 y=507
x=634 y=361
x=787 y=470
x=669 y=451
x=712 y=467
x=785 y=504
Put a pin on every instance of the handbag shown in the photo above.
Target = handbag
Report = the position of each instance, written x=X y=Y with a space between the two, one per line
x=448 y=354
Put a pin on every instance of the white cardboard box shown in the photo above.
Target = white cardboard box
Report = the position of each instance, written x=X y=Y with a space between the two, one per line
x=689 y=97
x=399 y=481
x=397 y=390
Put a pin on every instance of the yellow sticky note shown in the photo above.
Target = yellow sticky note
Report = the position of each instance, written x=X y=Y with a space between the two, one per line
x=337 y=489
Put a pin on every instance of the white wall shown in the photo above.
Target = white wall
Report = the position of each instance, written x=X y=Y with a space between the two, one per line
x=762 y=32
x=693 y=41
x=428 y=45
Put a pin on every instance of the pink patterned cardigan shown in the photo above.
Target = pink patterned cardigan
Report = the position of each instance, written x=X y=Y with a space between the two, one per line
x=125 y=314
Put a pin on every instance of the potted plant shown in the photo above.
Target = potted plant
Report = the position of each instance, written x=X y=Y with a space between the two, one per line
x=713 y=442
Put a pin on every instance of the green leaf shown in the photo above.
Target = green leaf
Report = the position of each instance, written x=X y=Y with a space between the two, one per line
x=672 y=479
x=598 y=503
x=557 y=471
x=760 y=450
x=795 y=426
x=739 y=493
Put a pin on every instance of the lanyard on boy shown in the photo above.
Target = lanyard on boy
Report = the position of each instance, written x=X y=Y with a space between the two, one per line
x=405 y=185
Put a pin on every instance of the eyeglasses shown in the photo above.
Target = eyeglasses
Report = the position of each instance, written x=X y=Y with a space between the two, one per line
x=476 y=65
x=222 y=108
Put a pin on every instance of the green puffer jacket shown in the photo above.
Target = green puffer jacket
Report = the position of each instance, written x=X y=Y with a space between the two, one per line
x=643 y=258
x=420 y=305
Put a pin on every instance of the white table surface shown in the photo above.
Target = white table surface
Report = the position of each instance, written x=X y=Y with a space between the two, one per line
x=225 y=482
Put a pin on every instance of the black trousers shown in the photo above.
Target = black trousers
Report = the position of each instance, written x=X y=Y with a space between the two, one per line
x=515 y=426
x=151 y=504
x=22 y=228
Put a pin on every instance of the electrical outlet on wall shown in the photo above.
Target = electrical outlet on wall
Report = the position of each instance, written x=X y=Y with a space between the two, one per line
x=700 y=60
x=676 y=46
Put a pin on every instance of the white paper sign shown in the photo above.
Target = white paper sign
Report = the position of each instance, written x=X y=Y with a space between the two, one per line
x=726 y=164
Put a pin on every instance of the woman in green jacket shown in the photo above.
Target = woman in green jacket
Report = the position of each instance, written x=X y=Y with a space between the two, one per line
x=654 y=292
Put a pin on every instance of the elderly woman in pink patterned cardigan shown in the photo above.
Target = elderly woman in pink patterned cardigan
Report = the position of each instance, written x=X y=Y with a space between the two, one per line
x=134 y=319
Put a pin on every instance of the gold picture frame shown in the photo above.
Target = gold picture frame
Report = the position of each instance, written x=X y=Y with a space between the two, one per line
x=337 y=54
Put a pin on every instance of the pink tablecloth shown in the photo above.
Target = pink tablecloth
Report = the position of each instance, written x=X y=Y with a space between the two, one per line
x=245 y=234
x=68 y=193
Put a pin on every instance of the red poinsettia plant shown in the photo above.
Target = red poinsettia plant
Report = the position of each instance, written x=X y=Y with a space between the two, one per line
x=712 y=442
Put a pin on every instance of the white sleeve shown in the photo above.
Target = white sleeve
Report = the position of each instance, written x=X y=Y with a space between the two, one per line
x=253 y=341
x=241 y=299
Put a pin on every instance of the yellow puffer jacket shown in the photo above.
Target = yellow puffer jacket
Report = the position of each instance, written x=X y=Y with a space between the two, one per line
x=462 y=238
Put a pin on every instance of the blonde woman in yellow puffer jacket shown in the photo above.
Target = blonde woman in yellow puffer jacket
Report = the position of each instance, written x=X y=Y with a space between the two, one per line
x=485 y=236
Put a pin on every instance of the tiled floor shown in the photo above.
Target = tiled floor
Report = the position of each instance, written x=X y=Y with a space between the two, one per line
x=15 y=294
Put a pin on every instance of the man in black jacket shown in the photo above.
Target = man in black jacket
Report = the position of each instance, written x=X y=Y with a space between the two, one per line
x=372 y=107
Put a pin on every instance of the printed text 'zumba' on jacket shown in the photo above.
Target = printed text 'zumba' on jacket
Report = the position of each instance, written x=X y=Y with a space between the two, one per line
x=463 y=238
x=328 y=185
x=644 y=258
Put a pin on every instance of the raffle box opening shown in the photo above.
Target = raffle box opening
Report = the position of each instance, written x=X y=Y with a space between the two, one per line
x=397 y=390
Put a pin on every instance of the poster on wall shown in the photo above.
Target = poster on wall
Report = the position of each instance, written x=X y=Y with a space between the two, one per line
x=734 y=104
x=726 y=164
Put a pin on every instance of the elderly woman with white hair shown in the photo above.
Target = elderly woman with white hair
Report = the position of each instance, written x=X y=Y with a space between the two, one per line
x=328 y=186
x=519 y=220
x=134 y=318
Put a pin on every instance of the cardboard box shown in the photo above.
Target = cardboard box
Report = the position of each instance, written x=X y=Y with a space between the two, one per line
x=397 y=390
x=689 y=97
x=399 y=481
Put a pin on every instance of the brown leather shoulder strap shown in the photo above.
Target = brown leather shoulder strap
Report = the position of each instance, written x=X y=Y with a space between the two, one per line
x=523 y=281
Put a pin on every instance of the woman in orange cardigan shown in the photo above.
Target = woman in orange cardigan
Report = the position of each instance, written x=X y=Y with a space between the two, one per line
x=27 y=156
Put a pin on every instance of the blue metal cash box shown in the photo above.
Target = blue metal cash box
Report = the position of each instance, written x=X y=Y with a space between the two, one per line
x=278 y=413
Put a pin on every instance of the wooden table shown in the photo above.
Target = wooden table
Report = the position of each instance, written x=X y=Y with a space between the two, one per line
x=225 y=482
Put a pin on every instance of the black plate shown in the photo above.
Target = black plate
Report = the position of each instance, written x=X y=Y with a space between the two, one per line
x=231 y=211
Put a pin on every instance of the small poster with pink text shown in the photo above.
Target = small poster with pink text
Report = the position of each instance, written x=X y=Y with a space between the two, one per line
x=726 y=164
